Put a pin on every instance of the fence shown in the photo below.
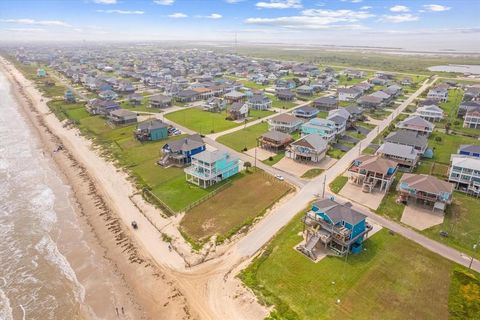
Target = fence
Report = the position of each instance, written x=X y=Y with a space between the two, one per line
x=149 y=195
x=208 y=196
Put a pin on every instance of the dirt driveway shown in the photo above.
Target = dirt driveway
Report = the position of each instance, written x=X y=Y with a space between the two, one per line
x=421 y=218
x=299 y=168
x=262 y=154
x=355 y=193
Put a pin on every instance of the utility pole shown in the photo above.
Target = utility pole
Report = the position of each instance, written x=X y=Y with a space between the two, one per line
x=471 y=258
x=324 y=185
x=255 y=163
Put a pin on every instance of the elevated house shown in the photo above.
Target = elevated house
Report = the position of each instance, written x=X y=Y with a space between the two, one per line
x=371 y=102
x=340 y=119
x=409 y=138
x=416 y=123
x=101 y=107
x=472 y=119
x=285 y=95
x=311 y=148
x=234 y=96
x=431 y=113
x=68 y=96
x=372 y=172
x=406 y=156
x=394 y=90
x=305 y=90
x=160 y=101
x=386 y=98
x=179 y=152
x=151 y=130
x=439 y=93
x=334 y=226
x=306 y=112
x=135 y=99
x=326 y=103
x=466 y=106
x=274 y=140
x=348 y=94
x=215 y=104
x=322 y=127
x=238 y=111
x=122 y=117
x=285 y=123
x=210 y=167
x=353 y=73
x=108 y=95
x=356 y=113
x=464 y=172
x=259 y=102
x=426 y=190
x=187 y=95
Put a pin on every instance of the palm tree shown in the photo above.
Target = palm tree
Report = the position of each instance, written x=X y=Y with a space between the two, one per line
x=247 y=165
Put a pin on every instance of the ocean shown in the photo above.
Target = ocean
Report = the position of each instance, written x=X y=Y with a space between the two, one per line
x=48 y=265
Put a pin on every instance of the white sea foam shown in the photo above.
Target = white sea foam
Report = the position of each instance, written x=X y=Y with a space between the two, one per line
x=6 y=312
x=49 y=249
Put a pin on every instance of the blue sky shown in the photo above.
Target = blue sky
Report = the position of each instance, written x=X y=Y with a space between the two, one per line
x=412 y=24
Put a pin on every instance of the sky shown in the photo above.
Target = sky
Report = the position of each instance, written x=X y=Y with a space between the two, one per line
x=408 y=24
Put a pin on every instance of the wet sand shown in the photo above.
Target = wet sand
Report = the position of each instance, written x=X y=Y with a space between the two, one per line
x=145 y=291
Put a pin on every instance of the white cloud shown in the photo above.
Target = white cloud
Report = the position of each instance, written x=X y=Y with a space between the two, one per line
x=164 y=2
x=352 y=1
x=436 y=7
x=122 y=11
x=279 y=4
x=105 y=1
x=178 y=15
x=28 y=30
x=233 y=1
x=56 y=23
x=399 y=18
x=399 y=8
x=317 y=19
x=211 y=16
x=365 y=8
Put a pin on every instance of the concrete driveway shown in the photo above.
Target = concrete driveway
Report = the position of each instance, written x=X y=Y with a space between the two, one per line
x=355 y=193
x=421 y=218
x=299 y=168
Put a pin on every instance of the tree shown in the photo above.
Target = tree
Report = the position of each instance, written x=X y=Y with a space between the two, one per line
x=438 y=139
x=247 y=165
x=447 y=127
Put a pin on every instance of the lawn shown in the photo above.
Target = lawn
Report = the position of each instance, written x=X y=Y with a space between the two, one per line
x=274 y=159
x=143 y=107
x=448 y=145
x=338 y=183
x=432 y=168
x=252 y=85
x=462 y=222
x=201 y=121
x=393 y=278
x=277 y=103
x=244 y=138
x=258 y=114
x=345 y=81
x=335 y=153
x=312 y=173
x=389 y=206
x=236 y=206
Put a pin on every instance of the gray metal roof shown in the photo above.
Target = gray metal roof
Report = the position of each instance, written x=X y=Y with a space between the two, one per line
x=338 y=212
x=407 y=137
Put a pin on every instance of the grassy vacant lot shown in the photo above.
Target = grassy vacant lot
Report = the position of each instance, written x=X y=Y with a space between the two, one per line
x=389 y=206
x=448 y=145
x=245 y=138
x=201 y=121
x=277 y=103
x=276 y=158
x=462 y=222
x=338 y=183
x=252 y=85
x=143 y=107
x=238 y=205
x=393 y=278
x=432 y=168
x=312 y=173
x=72 y=111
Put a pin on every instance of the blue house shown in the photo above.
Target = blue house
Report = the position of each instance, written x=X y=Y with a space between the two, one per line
x=306 y=112
x=179 y=152
x=210 y=167
x=69 y=96
x=323 y=127
x=470 y=150
x=151 y=130
x=335 y=226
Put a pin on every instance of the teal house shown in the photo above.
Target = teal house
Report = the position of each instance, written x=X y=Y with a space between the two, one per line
x=322 y=127
x=151 y=130
x=41 y=72
x=210 y=167
x=334 y=226
x=69 y=96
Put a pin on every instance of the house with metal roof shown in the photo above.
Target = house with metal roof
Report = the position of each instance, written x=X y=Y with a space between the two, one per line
x=311 y=148
x=259 y=102
x=151 y=130
x=409 y=138
x=471 y=150
x=416 y=123
x=406 y=156
x=122 y=117
x=464 y=172
x=210 y=167
x=285 y=123
x=306 y=112
x=430 y=113
x=330 y=225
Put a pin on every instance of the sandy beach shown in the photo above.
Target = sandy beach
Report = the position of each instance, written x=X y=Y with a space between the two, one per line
x=101 y=197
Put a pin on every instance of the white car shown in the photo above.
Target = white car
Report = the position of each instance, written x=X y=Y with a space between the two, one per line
x=279 y=177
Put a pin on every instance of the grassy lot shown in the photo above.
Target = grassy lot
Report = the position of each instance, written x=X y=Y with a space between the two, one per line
x=258 y=114
x=72 y=111
x=276 y=158
x=252 y=85
x=335 y=153
x=432 y=168
x=338 y=183
x=277 y=103
x=345 y=81
x=369 y=150
x=394 y=278
x=448 y=145
x=322 y=114
x=450 y=107
x=237 y=206
x=389 y=206
x=312 y=173
x=201 y=121
x=462 y=222
x=379 y=114
x=143 y=107
x=244 y=138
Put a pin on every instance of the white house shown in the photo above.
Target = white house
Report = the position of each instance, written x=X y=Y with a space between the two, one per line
x=439 y=93
x=348 y=94
x=430 y=113
x=472 y=119
x=465 y=173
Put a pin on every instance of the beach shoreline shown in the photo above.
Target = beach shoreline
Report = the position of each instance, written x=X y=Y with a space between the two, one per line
x=148 y=292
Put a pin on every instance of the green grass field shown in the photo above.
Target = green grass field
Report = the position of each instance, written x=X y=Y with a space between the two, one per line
x=277 y=103
x=201 y=121
x=236 y=206
x=274 y=159
x=312 y=173
x=393 y=278
x=448 y=145
x=338 y=183
x=143 y=107
x=244 y=138
x=389 y=206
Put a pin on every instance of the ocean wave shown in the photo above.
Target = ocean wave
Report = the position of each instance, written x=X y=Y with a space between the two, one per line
x=47 y=247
